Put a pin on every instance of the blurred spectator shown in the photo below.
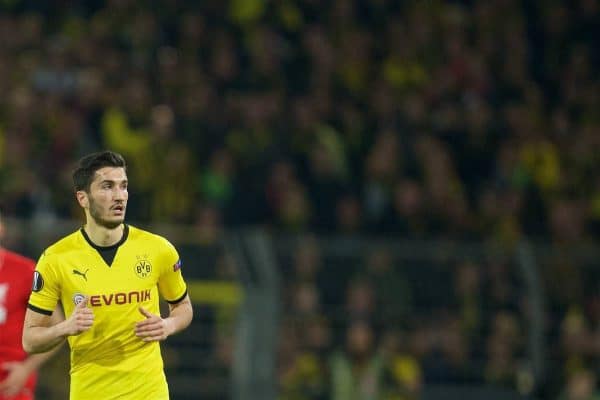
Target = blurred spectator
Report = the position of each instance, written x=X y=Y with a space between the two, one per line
x=403 y=376
x=357 y=369
x=447 y=353
x=348 y=215
x=307 y=374
x=305 y=301
x=582 y=385
x=406 y=215
x=360 y=300
x=503 y=345
x=208 y=224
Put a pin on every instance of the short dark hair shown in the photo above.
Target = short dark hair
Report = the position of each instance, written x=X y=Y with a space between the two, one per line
x=88 y=165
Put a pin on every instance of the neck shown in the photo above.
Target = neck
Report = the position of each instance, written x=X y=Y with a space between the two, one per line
x=102 y=236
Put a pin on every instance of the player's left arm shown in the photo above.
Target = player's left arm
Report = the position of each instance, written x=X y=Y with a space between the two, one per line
x=19 y=371
x=172 y=288
x=154 y=328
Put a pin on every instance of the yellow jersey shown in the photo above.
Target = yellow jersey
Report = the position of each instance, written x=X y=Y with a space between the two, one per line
x=109 y=361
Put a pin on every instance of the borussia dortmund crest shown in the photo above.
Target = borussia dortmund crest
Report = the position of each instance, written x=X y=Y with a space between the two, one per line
x=142 y=268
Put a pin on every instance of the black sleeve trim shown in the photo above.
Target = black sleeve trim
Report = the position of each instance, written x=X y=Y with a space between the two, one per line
x=179 y=299
x=38 y=310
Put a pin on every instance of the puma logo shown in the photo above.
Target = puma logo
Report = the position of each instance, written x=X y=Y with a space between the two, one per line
x=83 y=274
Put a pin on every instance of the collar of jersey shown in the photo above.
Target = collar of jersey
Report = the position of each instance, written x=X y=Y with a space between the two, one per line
x=112 y=246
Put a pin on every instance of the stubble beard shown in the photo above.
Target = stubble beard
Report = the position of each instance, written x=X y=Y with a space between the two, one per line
x=96 y=214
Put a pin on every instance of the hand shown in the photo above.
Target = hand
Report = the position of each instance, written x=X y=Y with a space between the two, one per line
x=81 y=320
x=153 y=328
x=15 y=380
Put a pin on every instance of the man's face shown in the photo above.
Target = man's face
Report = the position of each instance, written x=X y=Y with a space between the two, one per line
x=107 y=199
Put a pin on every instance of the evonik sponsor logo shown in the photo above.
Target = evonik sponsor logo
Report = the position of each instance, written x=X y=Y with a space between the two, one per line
x=138 y=296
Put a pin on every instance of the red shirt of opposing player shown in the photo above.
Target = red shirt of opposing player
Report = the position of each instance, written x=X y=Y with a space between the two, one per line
x=16 y=275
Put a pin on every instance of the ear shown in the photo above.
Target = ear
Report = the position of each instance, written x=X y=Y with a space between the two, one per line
x=82 y=198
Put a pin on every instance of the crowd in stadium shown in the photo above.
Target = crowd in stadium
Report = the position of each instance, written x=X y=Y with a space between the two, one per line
x=428 y=119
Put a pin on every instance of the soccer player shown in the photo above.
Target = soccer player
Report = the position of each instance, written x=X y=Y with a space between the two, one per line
x=108 y=276
x=17 y=370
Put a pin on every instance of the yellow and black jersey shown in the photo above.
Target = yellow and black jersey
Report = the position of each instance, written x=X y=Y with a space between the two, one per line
x=110 y=360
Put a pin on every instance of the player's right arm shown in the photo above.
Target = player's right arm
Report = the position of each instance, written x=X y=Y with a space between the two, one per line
x=40 y=334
